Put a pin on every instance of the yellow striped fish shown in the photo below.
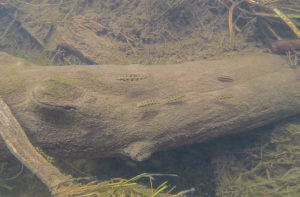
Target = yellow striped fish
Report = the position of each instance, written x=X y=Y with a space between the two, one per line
x=132 y=77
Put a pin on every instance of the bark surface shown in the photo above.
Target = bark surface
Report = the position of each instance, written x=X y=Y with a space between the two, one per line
x=136 y=110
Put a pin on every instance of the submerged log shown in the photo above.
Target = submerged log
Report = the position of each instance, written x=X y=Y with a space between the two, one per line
x=136 y=110
x=280 y=46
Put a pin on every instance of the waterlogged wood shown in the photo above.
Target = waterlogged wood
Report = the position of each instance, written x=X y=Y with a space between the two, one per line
x=87 y=111
x=20 y=146
x=285 y=45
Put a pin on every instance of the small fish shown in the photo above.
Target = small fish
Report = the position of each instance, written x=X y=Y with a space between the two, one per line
x=147 y=103
x=225 y=79
x=224 y=97
x=175 y=99
x=132 y=77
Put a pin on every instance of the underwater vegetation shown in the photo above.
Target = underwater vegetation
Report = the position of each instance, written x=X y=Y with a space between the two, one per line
x=149 y=31
x=293 y=58
x=47 y=157
x=119 y=187
x=4 y=181
x=267 y=165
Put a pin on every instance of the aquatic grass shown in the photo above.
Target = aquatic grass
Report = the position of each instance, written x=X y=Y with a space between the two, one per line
x=268 y=166
x=4 y=181
x=268 y=11
x=146 y=33
x=120 y=187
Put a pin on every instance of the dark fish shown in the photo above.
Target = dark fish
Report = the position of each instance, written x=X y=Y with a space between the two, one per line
x=224 y=97
x=225 y=79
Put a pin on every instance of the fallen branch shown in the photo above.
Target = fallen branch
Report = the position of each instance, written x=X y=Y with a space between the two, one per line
x=88 y=111
x=280 y=46
x=19 y=145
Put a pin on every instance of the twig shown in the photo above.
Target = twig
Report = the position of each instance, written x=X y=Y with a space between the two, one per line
x=230 y=26
x=272 y=31
x=285 y=19
x=10 y=25
x=293 y=59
